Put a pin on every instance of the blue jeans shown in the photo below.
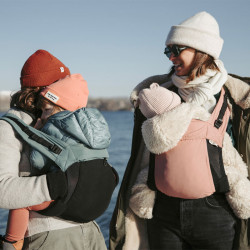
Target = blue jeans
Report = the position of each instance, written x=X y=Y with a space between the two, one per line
x=206 y=223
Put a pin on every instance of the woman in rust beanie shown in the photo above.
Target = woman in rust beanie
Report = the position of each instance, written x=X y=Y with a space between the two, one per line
x=41 y=69
x=64 y=117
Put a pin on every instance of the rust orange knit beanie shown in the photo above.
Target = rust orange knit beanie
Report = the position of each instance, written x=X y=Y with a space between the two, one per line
x=42 y=69
x=70 y=93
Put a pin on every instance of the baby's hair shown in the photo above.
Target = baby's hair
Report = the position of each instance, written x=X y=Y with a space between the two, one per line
x=42 y=101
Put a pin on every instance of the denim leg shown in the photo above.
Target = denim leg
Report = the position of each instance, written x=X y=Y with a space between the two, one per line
x=206 y=223
x=164 y=229
x=213 y=224
x=161 y=237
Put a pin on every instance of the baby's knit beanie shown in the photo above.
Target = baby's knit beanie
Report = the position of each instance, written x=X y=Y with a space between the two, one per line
x=70 y=93
x=42 y=69
x=156 y=100
x=200 y=32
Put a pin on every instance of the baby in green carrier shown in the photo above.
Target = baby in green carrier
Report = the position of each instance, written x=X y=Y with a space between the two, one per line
x=63 y=105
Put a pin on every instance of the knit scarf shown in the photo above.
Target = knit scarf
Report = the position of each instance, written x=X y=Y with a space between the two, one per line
x=203 y=88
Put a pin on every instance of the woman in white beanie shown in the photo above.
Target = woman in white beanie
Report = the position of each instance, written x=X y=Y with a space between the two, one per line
x=180 y=222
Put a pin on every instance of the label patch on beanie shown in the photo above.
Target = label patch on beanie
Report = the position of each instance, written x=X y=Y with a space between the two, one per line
x=62 y=69
x=52 y=97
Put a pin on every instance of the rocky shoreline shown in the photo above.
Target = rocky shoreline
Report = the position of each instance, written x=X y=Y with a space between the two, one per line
x=108 y=104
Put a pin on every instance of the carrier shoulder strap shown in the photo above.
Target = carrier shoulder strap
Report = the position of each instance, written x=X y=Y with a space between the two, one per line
x=35 y=137
x=42 y=142
x=55 y=149
x=218 y=122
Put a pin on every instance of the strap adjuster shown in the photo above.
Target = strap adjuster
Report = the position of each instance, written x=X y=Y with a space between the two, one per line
x=218 y=123
x=55 y=149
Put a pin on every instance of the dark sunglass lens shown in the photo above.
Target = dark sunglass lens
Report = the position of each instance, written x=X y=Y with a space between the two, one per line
x=168 y=51
x=175 y=50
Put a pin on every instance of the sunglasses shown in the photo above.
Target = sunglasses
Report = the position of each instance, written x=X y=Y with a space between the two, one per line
x=175 y=49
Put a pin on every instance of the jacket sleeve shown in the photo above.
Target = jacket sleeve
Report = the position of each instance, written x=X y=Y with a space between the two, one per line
x=236 y=170
x=15 y=191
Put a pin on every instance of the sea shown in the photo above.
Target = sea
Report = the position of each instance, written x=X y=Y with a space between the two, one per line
x=121 y=127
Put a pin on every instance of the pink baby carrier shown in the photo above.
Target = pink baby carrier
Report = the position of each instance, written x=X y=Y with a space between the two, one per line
x=194 y=168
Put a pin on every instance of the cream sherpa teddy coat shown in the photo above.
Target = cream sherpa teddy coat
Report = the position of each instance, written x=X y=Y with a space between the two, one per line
x=161 y=133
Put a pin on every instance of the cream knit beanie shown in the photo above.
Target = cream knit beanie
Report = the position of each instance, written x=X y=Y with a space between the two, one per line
x=200 y=32
x=156 y=100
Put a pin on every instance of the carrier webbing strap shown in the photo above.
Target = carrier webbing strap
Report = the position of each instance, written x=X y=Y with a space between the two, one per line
x=218 y=122
x=62 y=154
x=52 y=147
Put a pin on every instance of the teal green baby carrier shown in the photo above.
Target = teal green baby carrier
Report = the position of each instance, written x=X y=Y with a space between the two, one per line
x=91 y=180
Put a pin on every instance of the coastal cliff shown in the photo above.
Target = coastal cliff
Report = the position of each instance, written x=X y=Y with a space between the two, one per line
x=109 y=103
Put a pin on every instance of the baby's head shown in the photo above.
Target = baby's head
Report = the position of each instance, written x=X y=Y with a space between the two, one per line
x=156 y=100
x=69 y=93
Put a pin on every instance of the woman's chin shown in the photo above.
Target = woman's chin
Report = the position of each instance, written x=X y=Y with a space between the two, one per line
x=180 y=72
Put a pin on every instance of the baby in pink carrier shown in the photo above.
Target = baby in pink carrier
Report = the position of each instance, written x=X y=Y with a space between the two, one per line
x=172 y=126
x=184 y=171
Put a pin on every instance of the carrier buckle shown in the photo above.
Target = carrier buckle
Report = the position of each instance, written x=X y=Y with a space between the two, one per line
x=55 y=149
x=218 y=123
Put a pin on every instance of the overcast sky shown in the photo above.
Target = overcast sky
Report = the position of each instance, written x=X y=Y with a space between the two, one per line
x=114 y=44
